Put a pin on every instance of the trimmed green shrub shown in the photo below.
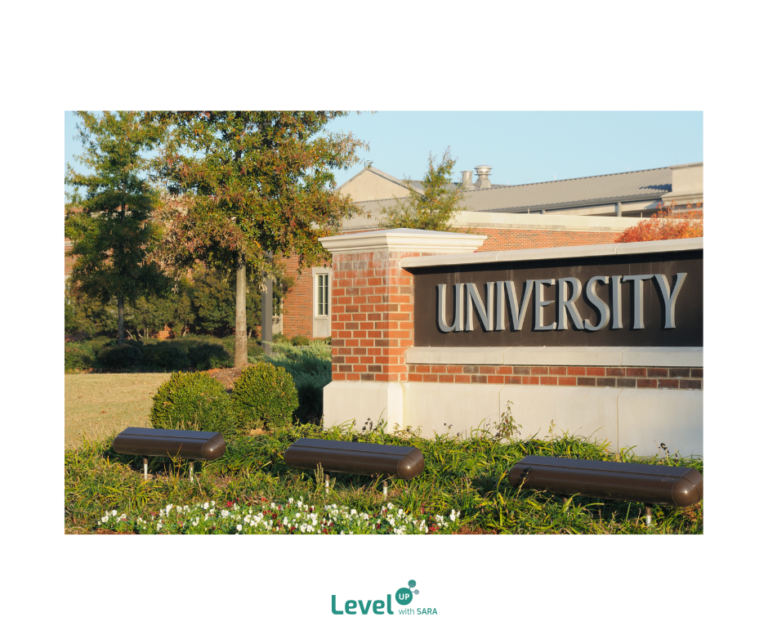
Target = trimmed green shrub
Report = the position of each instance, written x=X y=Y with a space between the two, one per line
x=279 y=337
x=310 y=368
x=299 y=341
x=121 y=356
x=193 y=401
x=78 y=357
x=206 y=356
x=309 y=386
x=166 y=356
x=313 y=358
x=264 y=395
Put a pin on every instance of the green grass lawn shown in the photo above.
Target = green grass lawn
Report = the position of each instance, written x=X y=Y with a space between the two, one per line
x=99 y=405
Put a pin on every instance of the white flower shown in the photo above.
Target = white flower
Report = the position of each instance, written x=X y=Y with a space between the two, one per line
x=114 y=513
x=290 y=500
x=239 y=527
x=205 y=505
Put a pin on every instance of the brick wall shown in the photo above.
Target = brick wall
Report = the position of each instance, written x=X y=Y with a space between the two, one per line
x=513 y=239
x=564 y=376
x=372 y=328
x=371 y=316
x=68 y=259
x=297 y=303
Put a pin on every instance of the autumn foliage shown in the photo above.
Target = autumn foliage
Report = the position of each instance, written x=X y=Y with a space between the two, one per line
x=668 y=222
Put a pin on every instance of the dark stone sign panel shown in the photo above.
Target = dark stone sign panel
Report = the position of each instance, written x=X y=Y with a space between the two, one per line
x=628 y=300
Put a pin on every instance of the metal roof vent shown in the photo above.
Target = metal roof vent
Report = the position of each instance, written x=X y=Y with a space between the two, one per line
x=466 y=180
x=483 y=171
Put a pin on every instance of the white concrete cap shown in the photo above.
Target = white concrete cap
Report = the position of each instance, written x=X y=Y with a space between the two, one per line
x=404 y=239
x=560 y=252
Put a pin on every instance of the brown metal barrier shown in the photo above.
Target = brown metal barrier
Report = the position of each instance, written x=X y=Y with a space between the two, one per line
x=648 y=484
x=356 y=458
x=192 y=445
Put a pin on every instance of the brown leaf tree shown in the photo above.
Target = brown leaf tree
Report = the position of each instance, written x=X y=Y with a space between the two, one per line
x=249 y=188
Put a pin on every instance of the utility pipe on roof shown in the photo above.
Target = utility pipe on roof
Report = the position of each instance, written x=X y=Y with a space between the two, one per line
x=483 y=172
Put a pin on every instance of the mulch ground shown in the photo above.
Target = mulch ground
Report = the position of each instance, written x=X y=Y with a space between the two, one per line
x=226 y=377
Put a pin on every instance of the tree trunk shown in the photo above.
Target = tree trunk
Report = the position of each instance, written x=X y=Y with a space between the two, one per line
x=120 y=297
x=120 y=319
x=241 y=328
x=266 y=314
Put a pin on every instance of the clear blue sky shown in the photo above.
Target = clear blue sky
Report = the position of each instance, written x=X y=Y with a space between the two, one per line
x=521 y=147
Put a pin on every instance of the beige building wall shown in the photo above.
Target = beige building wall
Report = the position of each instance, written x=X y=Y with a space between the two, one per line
x=687 y=184
x=368 y=185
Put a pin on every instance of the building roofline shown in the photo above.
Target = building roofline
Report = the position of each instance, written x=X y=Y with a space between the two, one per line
x=541 y=183
x=627 y=199
x=624 y=199
x=592 y=176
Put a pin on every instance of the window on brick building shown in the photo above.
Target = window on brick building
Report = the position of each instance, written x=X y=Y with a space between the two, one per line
x=322 y=294
x=321 y=298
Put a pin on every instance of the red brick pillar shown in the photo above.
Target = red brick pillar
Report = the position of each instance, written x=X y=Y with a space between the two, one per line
x=372 y=319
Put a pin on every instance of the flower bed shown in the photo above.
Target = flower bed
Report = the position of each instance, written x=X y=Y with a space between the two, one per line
x=464 y=474
x=293 y=517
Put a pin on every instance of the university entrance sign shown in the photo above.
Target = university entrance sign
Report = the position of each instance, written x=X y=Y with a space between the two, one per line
x=641 y=300
x=602 y=341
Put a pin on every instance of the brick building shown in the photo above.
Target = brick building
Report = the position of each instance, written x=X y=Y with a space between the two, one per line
x=571 y=212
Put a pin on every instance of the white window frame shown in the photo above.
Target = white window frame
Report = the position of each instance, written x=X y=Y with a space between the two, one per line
x=321 y=324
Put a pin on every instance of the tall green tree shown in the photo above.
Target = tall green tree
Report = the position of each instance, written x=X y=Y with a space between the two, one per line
x=432 y=209
x=251 y=186
x=110 y=225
